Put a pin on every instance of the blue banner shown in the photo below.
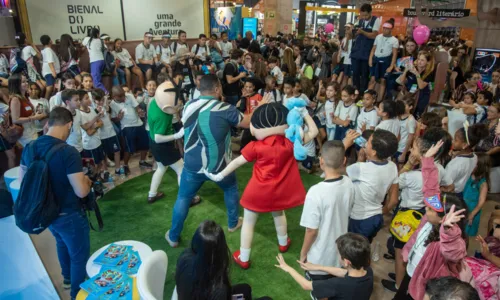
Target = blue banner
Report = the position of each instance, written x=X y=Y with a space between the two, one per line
x=226 y=19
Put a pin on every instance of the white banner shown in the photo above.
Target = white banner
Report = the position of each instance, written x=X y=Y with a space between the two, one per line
x=74 y=17
x=160 y=16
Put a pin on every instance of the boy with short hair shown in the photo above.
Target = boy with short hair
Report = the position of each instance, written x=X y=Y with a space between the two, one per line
x=194 y=93
x=226 y=46
x=71 y=99
x=200 y=51
x=274 y=69
x=354 y=281
x=275 y=95
x=68 y=83
x=248 y=103
x=366 y=217
x=50 y=65
x=326 y=211
x=164 y=54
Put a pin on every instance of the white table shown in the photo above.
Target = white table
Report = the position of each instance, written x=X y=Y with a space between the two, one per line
x=23 y=274
x=14 y=188
x=11 y=175
x=143 y=249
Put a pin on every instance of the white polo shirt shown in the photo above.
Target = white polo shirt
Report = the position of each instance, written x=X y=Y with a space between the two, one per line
x=407 y=127
x=370 y=118
x=385 y=45
x=391 y=125
x=75 y=135
x=90 y=142
x=130 y=116
x=141 y=52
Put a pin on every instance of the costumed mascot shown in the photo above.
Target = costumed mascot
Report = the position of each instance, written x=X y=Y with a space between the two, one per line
x=161 y=110
x=275 y=184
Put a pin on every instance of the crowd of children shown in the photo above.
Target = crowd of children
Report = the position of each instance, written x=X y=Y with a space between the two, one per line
x=379 y=154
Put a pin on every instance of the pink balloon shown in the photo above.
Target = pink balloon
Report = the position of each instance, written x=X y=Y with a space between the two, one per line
x=421 y=34
x=328 y=27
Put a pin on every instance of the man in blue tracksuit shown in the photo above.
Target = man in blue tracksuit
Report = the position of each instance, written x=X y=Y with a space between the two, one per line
x=365 y=37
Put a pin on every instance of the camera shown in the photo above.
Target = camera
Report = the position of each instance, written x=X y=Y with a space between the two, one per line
x=355 y=29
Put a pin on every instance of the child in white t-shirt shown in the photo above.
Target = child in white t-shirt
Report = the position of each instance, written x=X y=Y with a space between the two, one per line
x=346 y=113
x=271 y=89
x=388 y=113
x=4 y=66
x=69 y=83
x=41 y=106
x=326 y=211
x=274 y=70
x=332 y=96
x=372 y=181
x=107 y=134
x=368 y=118
x=408 y=126
x=50 y=65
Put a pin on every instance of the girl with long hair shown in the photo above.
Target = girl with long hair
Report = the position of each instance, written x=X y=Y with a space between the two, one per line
x=22 y=111
x=288 y=66
x=28 y=52
x=6 y=145
x=68 y=54
x=96 y=47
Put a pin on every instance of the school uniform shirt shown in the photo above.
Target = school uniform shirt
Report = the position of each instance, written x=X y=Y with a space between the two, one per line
x=385 y=45
x=407 y=127
x=460 y=169
x=479 y=116
x=347 y=287
x=370 y=187
x=141 y=52
x=342 y=111
x=28 y=53
x=165 y=53
x=45 y=108
x=320 y=113
x=4 y=64
x=226 y=48
x=329 y=110
x=391 y=125
x=370 y=118
x=276 y=92
x=276 y=73
x=130 y=116
x=75 y=135
x=176 y=47
x=94 y=47
x=124 y=57
x=446 y=179
x=201 y=51
x=49 y=56
x=107 y=130
x=346 y=54
x=301 y=96
x=89 y=142
x=327 y=208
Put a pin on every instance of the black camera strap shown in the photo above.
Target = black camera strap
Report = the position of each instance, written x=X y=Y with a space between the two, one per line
x=98 y=216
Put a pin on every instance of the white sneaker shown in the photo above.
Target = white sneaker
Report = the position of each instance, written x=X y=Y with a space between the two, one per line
x=376 y=252
x=172 y=244
x=110 y=163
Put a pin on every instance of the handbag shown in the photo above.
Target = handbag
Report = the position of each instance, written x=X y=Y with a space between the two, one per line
x=11 y=133
x=404 y=224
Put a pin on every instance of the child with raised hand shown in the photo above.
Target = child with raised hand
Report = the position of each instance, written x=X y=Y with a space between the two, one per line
x=437 y=247
x=345 y=113
x=408 y=126
x=354 y=281
x=109 y=139
x=332 y=100
x=368 y=117
x=326 y=211
x=476 y=191
x=464 y=162
x=388 y=113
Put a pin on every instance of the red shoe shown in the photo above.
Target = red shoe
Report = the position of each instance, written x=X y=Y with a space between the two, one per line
x=284 y=249
x=236 y=258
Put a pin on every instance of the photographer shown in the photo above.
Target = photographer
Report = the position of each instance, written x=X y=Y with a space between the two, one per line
x=365 y=31
x=71 y=228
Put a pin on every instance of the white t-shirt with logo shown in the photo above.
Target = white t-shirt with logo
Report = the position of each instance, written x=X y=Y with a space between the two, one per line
x=44 y=104
x=75 y=135
x=370 y=118
x=276 y=73
x=226 y=48
x=141 y=52
x=165 y=53
x=327 y=208
x=90 y=142
x=460 y=169
x=407 y=127
x=385 y=45
x=49 y=56
x=124 y=57
x=329 y=110
x=201 y=51
x=391 y=125
x=130 y=116
x=371 y=187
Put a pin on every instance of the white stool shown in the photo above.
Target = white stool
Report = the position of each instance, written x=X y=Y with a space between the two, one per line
x=495 y=178
x=14 y=189
x=10 y=175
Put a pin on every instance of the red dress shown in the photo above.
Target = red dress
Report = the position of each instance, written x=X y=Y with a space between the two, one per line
x=275 y=184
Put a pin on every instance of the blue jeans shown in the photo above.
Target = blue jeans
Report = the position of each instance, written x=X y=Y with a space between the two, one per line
x=96 y=69
x=120 y=78
x=71 y=232
x=191 y=182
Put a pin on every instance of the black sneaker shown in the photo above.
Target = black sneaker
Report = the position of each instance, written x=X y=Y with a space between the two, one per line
x=127 y=170
x=66 y=284
x=389 y=257
x=389 y=285
x=392 y=276
x=144 y=164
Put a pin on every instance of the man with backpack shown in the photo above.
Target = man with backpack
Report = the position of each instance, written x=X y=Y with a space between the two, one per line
x=52 y=177
x=231 y=77
x=145 y=55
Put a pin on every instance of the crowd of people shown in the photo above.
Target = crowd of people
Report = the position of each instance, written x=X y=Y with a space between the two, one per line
x=368 y=128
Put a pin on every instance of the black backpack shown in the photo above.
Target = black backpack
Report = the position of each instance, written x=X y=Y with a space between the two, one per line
x=109 y=59
x=36 y=207
x=263 y=91
x=16 y=63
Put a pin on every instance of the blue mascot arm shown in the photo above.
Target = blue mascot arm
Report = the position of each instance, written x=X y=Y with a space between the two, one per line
x=295 y=122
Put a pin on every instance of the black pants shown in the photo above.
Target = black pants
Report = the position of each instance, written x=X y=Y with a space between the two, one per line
x=245 y=290
x=360 y=73
x=402 y=293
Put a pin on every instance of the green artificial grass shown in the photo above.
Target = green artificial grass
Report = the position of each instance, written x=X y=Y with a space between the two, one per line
x=128 y=216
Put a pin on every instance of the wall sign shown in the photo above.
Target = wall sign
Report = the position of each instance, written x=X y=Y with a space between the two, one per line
x=74 y=17
x=160 y=16
x=438 y=13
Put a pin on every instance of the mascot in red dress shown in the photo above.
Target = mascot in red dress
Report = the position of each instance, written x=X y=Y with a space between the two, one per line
x=275 y=184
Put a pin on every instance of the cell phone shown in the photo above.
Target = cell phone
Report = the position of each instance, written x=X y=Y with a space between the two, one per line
x=238 y=297
x=360 y=141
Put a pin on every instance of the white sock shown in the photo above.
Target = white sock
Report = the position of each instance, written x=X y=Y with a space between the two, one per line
x=283 y=240
x=245 y=254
